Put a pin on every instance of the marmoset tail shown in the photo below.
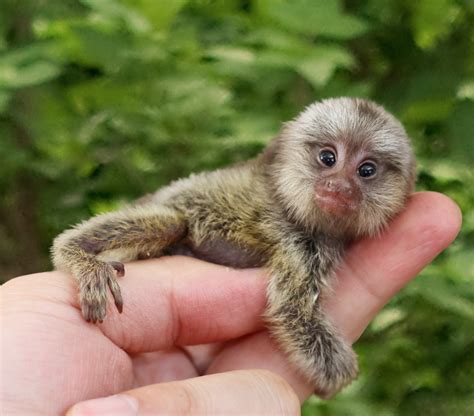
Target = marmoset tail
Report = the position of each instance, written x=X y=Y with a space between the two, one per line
x=339 y=171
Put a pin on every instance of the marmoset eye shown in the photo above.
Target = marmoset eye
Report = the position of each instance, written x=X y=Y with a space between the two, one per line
x=367 y=170
x=327 y=157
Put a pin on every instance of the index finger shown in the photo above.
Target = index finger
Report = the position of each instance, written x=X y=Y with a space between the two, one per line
x=374 y=270
x=183 y=301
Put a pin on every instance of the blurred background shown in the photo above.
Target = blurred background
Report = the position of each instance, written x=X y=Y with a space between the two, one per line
x=102 y=101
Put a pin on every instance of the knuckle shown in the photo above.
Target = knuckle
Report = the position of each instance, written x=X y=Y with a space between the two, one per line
x=281 y=392
x=188 y=399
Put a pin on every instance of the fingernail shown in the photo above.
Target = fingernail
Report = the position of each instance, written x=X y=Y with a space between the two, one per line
x=118 y=405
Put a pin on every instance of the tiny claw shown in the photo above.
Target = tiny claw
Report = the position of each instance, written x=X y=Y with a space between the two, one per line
x=118 y=301
x=85 y=313
x=119 y=268
x=116 y=294
x=119 y=306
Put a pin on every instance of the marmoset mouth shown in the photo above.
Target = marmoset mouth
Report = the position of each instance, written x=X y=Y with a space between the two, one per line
x=334 y=203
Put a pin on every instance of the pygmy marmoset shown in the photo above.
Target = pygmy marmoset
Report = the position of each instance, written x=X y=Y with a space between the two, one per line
x=339 y=171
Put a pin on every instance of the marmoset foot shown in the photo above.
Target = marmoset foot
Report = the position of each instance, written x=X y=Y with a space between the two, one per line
x=94 y=281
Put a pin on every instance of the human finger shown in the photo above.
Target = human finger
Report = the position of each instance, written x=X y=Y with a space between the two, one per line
x=176 y=301
x=249 y=392
x=374 y=271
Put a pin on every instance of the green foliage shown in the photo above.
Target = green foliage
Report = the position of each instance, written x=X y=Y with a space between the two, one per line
x=102 y=101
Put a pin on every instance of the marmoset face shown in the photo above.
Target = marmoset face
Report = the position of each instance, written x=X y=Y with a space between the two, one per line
x=344 y=166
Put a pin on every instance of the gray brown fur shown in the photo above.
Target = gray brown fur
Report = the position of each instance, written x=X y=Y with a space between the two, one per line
x=261 y=213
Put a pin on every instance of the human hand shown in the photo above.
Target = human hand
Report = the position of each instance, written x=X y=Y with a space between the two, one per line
x=52 y=358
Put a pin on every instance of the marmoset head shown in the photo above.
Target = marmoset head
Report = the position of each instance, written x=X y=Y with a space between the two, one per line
x=344 y=166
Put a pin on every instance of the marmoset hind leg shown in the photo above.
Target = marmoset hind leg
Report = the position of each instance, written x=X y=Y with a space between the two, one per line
x=133 y=232
x=300 y=327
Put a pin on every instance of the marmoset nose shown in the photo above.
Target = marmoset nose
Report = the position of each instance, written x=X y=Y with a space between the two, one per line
x=336 y=196
x=339 y=187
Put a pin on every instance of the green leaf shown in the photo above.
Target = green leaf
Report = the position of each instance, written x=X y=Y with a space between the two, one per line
x=109 y=10
x=321 y=64
x=4 y=99
x=445 y=296
x=461 y=128
x=28 y=66
x=386 y=318
x=238 y=55
x=313 y=17
x=466 y=90
x=94 y=47
x=427 y=110
x=432 y=20
x=160 y=13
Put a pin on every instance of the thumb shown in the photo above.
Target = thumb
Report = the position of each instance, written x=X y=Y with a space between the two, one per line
x=236 y=392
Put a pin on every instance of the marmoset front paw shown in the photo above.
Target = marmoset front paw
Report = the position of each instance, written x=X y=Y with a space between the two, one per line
x=336 y=371
x=320 y=354
x=94 y=280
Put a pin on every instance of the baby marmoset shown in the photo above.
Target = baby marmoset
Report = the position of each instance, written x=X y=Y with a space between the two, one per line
x=340 y=170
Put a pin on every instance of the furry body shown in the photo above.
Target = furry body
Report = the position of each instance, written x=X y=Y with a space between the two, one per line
x=261 y=213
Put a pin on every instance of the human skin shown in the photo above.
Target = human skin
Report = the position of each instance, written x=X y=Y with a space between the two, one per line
x=51 y=358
